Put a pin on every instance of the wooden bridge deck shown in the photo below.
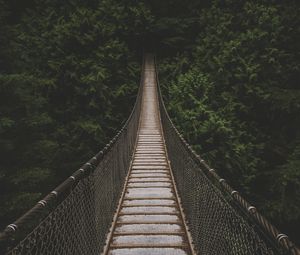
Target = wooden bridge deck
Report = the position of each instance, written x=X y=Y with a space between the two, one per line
x=149 y=219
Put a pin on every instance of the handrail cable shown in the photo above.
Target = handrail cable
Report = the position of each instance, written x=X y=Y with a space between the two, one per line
x=49 y=203
x=267 y=228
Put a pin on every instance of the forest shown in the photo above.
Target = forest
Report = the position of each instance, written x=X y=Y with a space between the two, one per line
x=229 y=72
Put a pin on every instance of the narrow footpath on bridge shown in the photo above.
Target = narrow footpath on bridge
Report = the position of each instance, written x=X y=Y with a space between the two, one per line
x=149 y=219
x=125 y=201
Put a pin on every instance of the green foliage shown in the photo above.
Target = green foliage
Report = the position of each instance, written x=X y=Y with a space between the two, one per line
x=68 y=80
x=233 y=93
x=212 y=127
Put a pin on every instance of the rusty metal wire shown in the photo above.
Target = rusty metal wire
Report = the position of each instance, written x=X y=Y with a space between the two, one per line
x=75 y=218
x=220 y=220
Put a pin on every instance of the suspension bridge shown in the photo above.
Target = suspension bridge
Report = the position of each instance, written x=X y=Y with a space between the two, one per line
x=146 y=192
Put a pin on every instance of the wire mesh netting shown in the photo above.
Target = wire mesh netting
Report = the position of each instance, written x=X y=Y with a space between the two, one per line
x=217 y=225
x=81 y=220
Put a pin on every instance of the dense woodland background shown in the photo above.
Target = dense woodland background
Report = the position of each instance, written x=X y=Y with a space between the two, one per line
x=69 y=72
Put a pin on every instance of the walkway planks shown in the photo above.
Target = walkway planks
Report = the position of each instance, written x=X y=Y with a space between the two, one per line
x=149 y=218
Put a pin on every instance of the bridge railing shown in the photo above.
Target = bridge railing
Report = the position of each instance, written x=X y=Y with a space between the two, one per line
x=76 y=216
x=220 y=220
